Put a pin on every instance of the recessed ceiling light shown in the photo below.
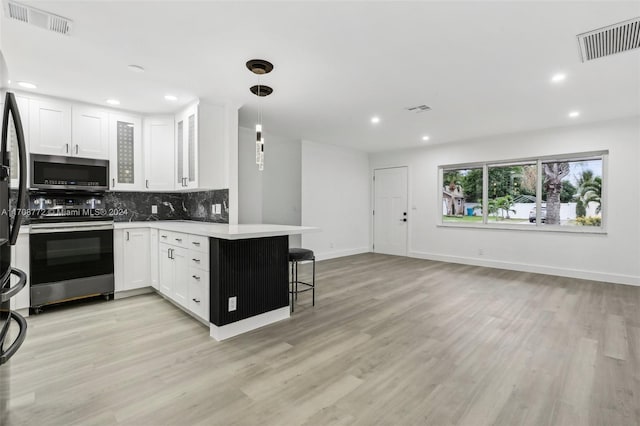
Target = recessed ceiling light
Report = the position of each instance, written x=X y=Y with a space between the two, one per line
x=559 y=77
x=171 y=97
x=27 y=85
x=425 y=138
x=574 y=114
x=113 y=102
x=375 y=120
x=136 y=68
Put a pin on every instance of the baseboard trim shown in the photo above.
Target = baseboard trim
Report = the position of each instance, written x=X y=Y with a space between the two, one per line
x=135 y=292
x=539 y=269
x=248 y=324
x=341 y=253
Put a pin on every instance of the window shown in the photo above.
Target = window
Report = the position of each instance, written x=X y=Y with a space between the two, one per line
x=542 y=193
x=462 y=195
x=512 y=192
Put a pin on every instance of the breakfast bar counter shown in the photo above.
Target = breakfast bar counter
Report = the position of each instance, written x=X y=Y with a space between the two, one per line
x=246 y=267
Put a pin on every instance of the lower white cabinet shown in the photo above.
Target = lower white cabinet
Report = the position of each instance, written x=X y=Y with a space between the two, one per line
x=131 y=259
x=153 y=243
x=20 y=260
x=181 y=279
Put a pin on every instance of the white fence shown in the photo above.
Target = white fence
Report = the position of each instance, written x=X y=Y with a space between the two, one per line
x=567 y=210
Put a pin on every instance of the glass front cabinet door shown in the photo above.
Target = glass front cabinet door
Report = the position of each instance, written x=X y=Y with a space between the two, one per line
x=125 y=157
x=187 y=148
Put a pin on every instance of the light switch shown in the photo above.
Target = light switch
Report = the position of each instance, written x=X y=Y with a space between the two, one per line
x=154 y=209
x=218 y=209
x=233 y=303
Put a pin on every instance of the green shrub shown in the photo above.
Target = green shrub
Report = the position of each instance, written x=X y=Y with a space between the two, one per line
x=589 y=221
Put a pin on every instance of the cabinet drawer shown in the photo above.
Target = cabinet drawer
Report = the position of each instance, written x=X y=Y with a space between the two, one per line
x=199 y=243
x=198 y=259
x=198 y=302
x=174 y=238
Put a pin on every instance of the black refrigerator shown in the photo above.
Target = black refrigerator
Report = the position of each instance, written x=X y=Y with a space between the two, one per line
x=13 y=327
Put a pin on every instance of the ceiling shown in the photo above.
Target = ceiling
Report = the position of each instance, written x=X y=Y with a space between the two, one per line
x=484 y=67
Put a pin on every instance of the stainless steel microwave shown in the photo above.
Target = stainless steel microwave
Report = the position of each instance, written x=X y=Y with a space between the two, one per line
x=68 y=173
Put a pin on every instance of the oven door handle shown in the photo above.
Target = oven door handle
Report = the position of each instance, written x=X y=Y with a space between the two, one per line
x=22 y=323
x=48 y=230
x=8 y=293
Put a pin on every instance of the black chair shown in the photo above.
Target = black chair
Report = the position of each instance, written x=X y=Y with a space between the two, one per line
x=297 y=255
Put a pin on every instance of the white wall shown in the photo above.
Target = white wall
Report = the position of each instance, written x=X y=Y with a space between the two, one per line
x=612 y=257
x=274 y=194
x=335 y=198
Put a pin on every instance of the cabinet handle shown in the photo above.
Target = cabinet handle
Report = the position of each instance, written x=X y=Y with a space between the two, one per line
x=66 y=147
x=113 y=182
x=179 y=240
x=195 y=243
x=127 y=235
x=76 y=149
x=163 y=236
x=196 y=277
x=147 y=183
x=170 y=253
x=196 y=300
x=196 y=260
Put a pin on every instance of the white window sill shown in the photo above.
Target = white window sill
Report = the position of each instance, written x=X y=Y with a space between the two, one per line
x=532 y=228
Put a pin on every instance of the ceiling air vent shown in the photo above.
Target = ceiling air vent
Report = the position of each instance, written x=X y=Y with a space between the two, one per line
x=419 y=108
x=610 y=40
x=38 y=18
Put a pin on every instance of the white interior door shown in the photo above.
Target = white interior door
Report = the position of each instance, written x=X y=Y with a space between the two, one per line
x=390 y=214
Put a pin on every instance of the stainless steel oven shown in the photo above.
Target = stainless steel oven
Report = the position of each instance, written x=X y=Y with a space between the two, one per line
x=51 y=172
x=70 y=259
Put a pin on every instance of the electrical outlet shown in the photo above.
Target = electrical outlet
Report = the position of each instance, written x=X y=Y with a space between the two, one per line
x=218 y=208
x=331 y=244
x=154 y=209
x=233 y=303
x=481 y=251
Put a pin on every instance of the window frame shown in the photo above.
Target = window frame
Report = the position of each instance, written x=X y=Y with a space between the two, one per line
x=539 y=160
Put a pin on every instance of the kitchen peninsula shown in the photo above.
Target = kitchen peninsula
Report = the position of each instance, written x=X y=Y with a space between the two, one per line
x=233 y=277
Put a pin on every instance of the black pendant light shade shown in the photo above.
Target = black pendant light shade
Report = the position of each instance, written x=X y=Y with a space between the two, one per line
x=261 y=90
x=259 y=66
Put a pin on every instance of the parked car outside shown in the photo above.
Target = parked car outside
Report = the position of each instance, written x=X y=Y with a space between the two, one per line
x=543 y=214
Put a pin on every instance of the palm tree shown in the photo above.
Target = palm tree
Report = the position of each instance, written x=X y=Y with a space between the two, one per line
x=553 y=175
x=591 y=192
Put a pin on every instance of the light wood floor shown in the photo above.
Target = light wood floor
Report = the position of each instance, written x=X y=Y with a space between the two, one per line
x=392 y=341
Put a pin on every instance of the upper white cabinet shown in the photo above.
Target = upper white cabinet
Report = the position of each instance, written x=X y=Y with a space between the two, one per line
x=159 y=155
x=60 y=128
x=125 y=159
x=50 y=127
x=187 y=148
x=201 y=152
x=90 y=132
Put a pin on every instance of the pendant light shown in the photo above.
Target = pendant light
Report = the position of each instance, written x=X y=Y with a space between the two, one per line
x=260 y=67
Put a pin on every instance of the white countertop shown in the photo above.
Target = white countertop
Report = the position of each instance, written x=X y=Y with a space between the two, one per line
x=218 y=230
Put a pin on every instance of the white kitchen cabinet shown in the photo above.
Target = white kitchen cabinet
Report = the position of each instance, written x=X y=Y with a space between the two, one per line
x=50 y=127
x=166 y=269
x=20 y=260
x=181 y=278
x=187 y=148
x=125 y=155
x=181 y=271
x=201 y=155
x=90 y=132
x=131 y=259
x=159 y=153
x=198 y=296
x=153 y=261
